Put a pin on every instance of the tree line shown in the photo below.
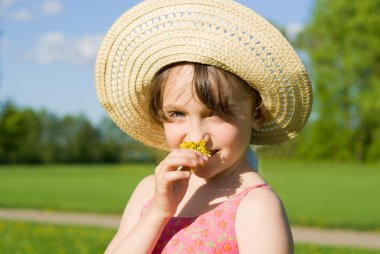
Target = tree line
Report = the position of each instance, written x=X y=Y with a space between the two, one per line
x=341 y=50
x=30 y=136
x=342 y=41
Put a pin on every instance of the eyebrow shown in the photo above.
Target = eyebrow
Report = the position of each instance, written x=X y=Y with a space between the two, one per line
x=172 y=106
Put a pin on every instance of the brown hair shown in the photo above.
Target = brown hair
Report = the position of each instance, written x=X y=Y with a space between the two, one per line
x=214 y=87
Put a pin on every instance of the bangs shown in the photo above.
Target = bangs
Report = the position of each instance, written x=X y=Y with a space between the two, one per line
x=218 y=90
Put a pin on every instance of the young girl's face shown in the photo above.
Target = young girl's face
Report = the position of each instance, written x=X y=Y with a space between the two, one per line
x=190 y=120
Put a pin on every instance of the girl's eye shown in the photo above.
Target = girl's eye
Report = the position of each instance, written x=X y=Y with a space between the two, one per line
x=175 y=114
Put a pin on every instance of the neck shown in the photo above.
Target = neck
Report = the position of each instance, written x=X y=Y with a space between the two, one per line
x=231 y=177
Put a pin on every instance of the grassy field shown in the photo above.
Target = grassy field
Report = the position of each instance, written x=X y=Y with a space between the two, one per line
x=313 y=249
x=327 y=194
x=315 y=194
x=83 y=188
x=31 y=238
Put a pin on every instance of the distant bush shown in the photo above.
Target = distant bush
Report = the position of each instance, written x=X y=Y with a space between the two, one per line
x=28 y=136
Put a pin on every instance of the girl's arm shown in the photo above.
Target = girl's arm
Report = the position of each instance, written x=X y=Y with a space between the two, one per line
x=168 y=186
x=261 y=224
x=142 y=193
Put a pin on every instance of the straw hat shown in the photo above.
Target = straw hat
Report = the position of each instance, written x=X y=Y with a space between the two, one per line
x=222 y=33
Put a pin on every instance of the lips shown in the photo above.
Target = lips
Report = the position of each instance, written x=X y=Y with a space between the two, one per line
x=213 y=152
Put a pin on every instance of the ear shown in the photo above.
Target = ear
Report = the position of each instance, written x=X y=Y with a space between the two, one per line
x=259 y=118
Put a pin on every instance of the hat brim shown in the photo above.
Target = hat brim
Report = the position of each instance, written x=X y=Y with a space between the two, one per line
x=221 y=33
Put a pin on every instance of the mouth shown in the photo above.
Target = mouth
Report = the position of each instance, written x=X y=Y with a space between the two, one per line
x=213 y=152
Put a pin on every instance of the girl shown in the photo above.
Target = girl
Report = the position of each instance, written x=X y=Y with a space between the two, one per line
x=174 y=71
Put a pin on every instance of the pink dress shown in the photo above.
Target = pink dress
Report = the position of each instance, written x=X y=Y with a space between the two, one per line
x=211 y=232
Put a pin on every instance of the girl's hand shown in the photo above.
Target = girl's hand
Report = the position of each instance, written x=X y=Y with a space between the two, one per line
x=171 y=184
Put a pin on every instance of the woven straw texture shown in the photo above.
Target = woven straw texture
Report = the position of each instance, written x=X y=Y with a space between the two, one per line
x=222 y=33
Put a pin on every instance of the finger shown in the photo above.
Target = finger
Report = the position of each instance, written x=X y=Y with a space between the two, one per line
x=172 y=163
x=170 y=178
x=173 y=176
x=192 y=152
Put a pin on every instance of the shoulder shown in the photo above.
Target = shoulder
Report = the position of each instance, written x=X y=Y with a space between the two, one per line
x=142 y=193
x=145 y=186
x=140 y=196
x=261 y=224
x=259 y=200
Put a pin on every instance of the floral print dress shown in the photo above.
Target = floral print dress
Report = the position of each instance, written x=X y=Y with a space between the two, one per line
x=211 y=232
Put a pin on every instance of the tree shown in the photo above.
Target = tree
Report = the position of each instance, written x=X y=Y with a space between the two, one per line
x=11 y=132
x=29 y=136
x=118 y=146
x=342 y=41
x=25 y=136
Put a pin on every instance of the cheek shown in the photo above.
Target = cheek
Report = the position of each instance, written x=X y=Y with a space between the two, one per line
x=234 y=136
x=225 y=134
x=173 y=135
x=228 y=133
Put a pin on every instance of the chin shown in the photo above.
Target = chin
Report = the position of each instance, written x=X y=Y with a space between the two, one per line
x=204 y=173
x=209 y=171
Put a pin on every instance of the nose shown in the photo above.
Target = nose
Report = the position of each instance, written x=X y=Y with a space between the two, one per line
x=197 y=131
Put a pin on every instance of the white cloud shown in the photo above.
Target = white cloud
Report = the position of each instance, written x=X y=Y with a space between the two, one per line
x=55 y=47
x=293 y=29
x=11 y=9
x=88 y=45
x=22 y=15
x=52 y=7
x=7 y=3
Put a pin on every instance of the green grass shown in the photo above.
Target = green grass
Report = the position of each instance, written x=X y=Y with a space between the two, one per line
x=327 y=194
x=314 y=249
x=83 y=188
x=32 y=238
x=315 y=194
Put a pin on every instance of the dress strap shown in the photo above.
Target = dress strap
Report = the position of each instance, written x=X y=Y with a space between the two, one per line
x=242 y=194
x=260 y=185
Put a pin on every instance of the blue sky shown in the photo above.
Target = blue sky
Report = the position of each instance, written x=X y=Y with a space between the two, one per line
x=48 y=48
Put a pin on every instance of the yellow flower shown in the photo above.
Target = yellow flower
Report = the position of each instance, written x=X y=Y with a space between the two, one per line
x=199 y=146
